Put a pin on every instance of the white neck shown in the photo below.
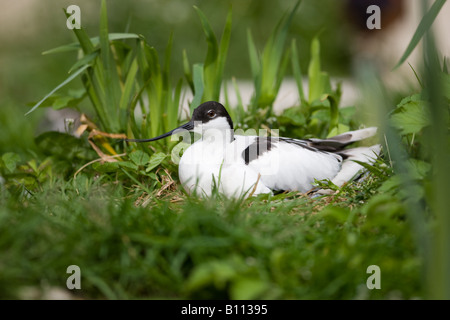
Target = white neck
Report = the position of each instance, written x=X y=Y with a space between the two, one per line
x=217 y=131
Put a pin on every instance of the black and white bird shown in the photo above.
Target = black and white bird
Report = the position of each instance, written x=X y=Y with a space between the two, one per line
x=242 y=165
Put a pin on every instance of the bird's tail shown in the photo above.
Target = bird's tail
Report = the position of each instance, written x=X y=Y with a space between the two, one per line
x=350 y=169
x=339 y=142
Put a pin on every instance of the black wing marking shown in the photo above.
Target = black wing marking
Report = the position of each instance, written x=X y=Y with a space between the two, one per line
x=318 y=145
x=265 y=144
x=335 y=145
x=301 y=143
x=257 y=148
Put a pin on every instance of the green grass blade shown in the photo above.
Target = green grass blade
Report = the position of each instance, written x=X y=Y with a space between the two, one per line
x=86 y=60
x=172 y=112
x=198 y=86
x=438 y=142
x=155 y=114
x=104 y=43
x=424 y=25
x=94 y=97
x=223 y=51
x=255 y=64
x=416 y=75
x=166 y=67
x=65 y=48
x=213 y=48
x=315 y=83
x=281 y=71
x=238 y=95
x=142 y=61
x=273 y=54
x=111 y=84
x=155 y=92
x=187 y=71
x=255 y=67
x=334 y=113
x=239 y=109
x=128 y=87
x=94 y=42
x=143 y=187
x=83 y=39
x=297 y=71
x=62 y=84
x=210 y=64
x=376 y=98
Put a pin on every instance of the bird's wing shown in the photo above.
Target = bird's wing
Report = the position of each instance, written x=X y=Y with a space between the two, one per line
x=283 y=163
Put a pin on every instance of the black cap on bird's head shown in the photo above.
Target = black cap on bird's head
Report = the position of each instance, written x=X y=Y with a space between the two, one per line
x=203 y=114
x=209 y=111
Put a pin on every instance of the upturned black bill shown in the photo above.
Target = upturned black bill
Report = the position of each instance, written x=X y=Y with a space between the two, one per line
x=187 y=126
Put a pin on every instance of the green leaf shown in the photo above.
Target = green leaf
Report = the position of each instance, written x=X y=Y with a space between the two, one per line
x=129 y=165
x=411 y=117
x=155 y=160
x=10 y=161
x=198 y=86
x=340 y=128
x=106 y=166
x=292 y=116
x=424 y=25
x=418 y=169
x=63 y=146
x=216 y=273
x=139 y=157
x=335 y=214
x=143 y=187
x=245 y=288
x=62 y=84
x=371 y=168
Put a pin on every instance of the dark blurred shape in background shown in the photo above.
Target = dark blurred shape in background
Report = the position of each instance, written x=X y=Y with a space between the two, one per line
x=383 y=47
x=392 y=11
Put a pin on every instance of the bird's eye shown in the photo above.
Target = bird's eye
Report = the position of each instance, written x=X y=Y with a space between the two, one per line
x=211 y=114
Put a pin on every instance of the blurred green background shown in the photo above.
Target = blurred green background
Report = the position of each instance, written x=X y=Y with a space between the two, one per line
x=30 y=27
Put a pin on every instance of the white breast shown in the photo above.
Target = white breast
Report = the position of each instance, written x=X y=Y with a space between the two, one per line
x=198 y=165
